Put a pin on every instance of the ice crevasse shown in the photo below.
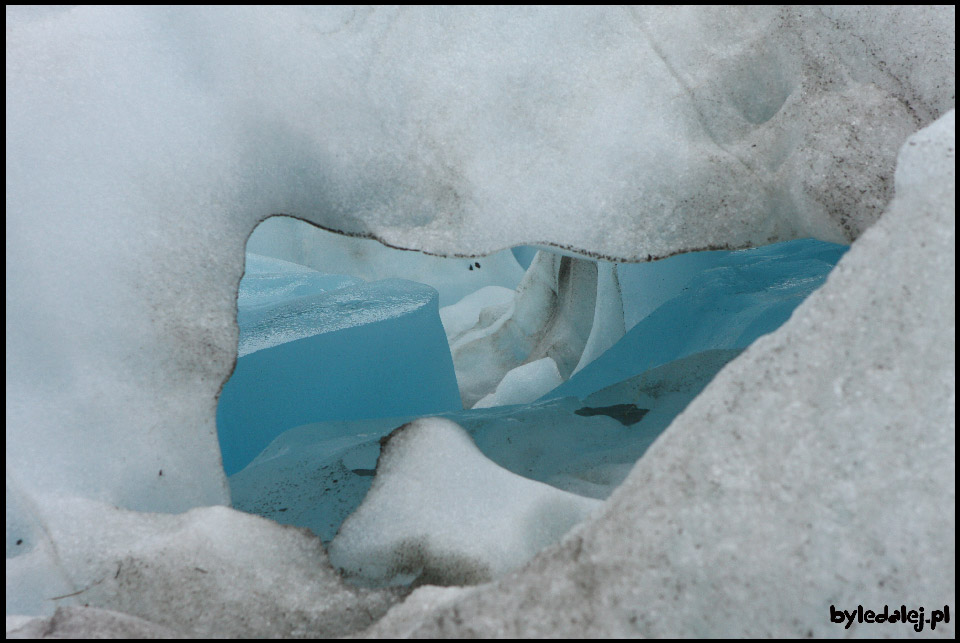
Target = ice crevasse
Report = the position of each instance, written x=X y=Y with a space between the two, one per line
x=145 y=144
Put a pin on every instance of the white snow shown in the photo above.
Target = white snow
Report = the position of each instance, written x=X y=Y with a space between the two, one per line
x=202 y=573
x=440 y=512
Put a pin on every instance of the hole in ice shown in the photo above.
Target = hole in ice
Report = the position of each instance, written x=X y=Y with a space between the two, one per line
x=550 y=375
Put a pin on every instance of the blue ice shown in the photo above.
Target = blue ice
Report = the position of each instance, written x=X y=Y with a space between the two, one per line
x=319 y=347
x=690 y=315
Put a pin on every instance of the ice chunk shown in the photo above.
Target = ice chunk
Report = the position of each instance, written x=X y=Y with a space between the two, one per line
x=270 y=281
x=439 y=512
x=608 y=324
x=288 y=317
x=369 y=350
x=524 y=384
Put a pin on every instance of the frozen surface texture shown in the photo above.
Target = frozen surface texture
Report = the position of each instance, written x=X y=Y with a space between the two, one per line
x=316 y=475
x=816 y=469
x=551 y=315
x=211 y=571
x=363 y=350
x=145 y=144
x=89 y=623
x=439 y=512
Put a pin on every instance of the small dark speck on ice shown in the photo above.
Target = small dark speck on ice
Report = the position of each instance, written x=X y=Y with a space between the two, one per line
x=625 y=414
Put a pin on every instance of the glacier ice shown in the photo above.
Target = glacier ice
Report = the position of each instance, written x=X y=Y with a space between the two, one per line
x=726 y=301
x=816 y=469
x=201 y=573
x=441 y=513
x=144 y=144
x=524 y=383
x=331 y=348
x=550 y=315
x=293 y=240
x=606 y=416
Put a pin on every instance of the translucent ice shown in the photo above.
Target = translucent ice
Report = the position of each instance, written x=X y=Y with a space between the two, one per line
x=357 y=351
x=717 y=300
x=316 y=475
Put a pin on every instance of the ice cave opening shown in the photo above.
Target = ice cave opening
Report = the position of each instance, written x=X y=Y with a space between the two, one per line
x=545 y=376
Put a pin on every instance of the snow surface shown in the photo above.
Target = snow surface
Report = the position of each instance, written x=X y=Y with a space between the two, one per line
x=144 y=144
x=440 y=512
x=203 y=573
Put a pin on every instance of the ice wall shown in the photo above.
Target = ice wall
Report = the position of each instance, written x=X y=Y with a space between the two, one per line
x=365 y=350
x=144 y=144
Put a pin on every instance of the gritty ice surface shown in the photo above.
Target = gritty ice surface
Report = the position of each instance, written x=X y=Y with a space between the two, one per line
x=209 y=572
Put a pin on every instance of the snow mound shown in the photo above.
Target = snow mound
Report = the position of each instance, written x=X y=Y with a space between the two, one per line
x=440 y=512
